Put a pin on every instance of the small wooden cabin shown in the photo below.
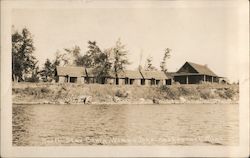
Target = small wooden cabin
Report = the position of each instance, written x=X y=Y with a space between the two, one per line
x=70 y=74
x=129 y=77
x=91 y=77
x=191 y=73
x=153 y=78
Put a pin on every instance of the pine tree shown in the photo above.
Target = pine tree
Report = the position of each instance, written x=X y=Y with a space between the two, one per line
x=23 y=61
x=120 y=59
x=165 y=57
x=149 y=66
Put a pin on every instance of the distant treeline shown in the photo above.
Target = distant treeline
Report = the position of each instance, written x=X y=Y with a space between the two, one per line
x=114 y=59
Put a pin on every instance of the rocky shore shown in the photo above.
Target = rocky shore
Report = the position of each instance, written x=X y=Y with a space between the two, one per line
x=53 y=93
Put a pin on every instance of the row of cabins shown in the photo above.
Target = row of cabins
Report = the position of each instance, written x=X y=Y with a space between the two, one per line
x=189 y=73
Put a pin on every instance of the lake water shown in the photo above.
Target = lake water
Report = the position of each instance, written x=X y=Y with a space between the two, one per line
x=45 y=125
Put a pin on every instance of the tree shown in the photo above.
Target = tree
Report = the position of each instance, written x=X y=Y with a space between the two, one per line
x=120 y=60
x=73 y=55
x=98 y=59
x=23 y=61
x=57 y=60
x=165 y=57
x=48 y=69
x=149 y=66
x=102 y=65
x=92 y=54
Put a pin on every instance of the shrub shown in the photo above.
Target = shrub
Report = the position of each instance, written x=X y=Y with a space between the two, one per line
x=186 y=90
x=45 y=90
x=221 y=94
x=176 y=83
x=170 y=92
x=206 y=94
x=121 y=93
x=229 y=93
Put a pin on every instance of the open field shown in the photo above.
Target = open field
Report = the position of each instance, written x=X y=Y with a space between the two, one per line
x=54 y=93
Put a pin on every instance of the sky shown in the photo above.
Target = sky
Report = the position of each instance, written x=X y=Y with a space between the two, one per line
x=200 y=35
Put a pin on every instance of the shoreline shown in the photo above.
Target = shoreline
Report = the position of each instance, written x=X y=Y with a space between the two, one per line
x=169 y=102
x=49 y=93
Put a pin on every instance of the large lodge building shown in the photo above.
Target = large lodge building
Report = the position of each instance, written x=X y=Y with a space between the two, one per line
x=189 y=73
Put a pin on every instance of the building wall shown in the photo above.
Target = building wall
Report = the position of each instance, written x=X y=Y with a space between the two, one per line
x=137 y=82
x=147 y=82
x=89 y=80
x=81 y=80
x=121 y=81
x=110 y=81
x=62 y=79
x=162 y=82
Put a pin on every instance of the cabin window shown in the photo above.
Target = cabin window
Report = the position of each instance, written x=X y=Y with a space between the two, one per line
x=126 y=80
x=86 y=80
x=103 y=80
x=152 y=81
x=117 y=81
x=168 y=82
x=157 y=82
x=142 y=81
x=73 y=79
x=131 y=81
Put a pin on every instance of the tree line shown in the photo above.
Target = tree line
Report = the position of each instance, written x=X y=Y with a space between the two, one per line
x=103 y=61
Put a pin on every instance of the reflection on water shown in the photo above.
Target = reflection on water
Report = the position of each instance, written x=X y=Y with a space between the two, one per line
x=125 y=125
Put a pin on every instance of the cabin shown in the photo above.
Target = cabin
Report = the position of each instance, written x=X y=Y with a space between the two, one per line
x=170 y=78
x=153 y=78
x=129 y=77
x=192 y=73
x=91 y=78
x=126 y=77
x=189 y=73
x=70 y=74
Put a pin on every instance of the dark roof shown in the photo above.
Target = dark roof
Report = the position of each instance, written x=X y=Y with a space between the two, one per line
x=186 y=74
x=70 y=71
x=134 y=74
x=153 y=74
x=202 y=69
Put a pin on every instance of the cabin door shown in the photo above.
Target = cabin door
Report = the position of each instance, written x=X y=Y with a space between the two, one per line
x=117 y=81
x=142 y=81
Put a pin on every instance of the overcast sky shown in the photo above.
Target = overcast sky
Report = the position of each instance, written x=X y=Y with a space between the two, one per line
x=200 y=35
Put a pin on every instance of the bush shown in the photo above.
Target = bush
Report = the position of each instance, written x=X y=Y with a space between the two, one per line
x=206 y=94
x=170 y=92
x=229 y=93
x=45 y=90
x=186 y=90
x=222 y=94
x=121 y=93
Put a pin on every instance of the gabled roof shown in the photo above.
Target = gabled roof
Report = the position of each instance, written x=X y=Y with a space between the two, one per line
x=133 y=74
x=201 y=69
x=70 y=71
x=153 y=74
